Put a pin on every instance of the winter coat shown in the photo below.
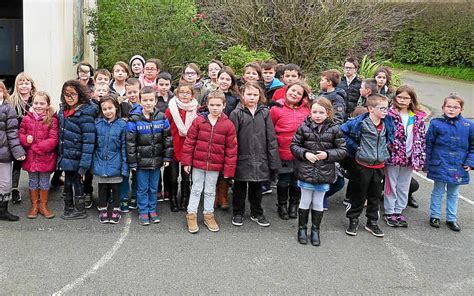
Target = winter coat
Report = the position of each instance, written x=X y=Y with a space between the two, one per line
x=337 y=99
x=449 y=147
x=161 y=104
x=286 y=121
x=76 y=138
x=280 y=93
x=352 y=93
x=110 y=158
x=398 y=155
x=362 y=141
x=211 y=148
x=149 y=141
x=309 y=138
x=41 y=154
x=231 y=102
x=271 y=88
x=178 y=140
x=10 y=147
x=257 y=146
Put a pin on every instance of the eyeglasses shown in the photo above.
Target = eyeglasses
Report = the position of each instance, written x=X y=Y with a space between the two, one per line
x=84 y=71
x=185 y=93
x=403 y=98
x=349 y=68
x=214 y=69
x=190 y=73
x=150 y=69
x=452 y=107
x=383 y=109
x=70 y=95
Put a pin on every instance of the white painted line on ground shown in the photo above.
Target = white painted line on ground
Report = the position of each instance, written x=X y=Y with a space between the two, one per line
x=469 y=201
x=102 y=261
x=421 y=243
x=402 y=258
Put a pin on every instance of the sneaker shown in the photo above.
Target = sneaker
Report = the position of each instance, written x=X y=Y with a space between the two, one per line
x=103 y=217
x=402 y=220
x=154 y=217
x=435 y=222
x=374 y=228
x=273 y=183
x=266 y=190
x=238 y=220
x=391 y=220
x=88 y=201
x=353 y=226
x=261 y=220
x=166 y=196
x=115 y=217
x=124 y=207
x=144 y=219
x=160 y=197
x=346 y=201
x=16 y=196
x=133 y=203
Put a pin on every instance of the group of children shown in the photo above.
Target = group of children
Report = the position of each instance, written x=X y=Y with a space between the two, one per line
x=211 y=133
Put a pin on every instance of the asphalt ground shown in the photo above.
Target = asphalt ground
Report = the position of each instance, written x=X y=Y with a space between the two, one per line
x=59 y=257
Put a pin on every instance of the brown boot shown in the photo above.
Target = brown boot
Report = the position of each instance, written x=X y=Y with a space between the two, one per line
x=33 y=212
x=210 y=222
x=192 y=222
x=216 y=199
x=223 y=196
x=43 y=208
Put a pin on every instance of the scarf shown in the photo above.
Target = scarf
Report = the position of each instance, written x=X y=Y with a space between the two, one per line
x=38 y=116
x=191 y=114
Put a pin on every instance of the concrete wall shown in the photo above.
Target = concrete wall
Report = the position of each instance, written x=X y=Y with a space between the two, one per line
x=48 y=43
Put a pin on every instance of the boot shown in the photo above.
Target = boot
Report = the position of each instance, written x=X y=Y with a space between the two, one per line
x=4 y=214
x=43 y=207
x=185 y=192
x=218 y=194
x=191 y=218
x=173 y=195
x=33 y=212
x=295 y=194
x=210 y=222
x=223 y=194
x=303 y=226
x=79 y=210
x=68 y=206
x=282 y=197
x=316 y=217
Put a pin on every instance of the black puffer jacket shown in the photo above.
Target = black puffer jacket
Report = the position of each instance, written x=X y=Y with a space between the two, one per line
x=148 y=140
x=257 y=145
x=308 y=139
x=10 y=147
x=352 y=93
x=337 y=98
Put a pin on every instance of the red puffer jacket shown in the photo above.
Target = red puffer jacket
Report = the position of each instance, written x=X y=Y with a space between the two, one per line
x=41 y=154
x=211 y=148
x=286 y=121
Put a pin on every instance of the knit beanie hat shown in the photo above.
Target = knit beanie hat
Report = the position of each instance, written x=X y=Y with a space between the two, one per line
x=135 y=57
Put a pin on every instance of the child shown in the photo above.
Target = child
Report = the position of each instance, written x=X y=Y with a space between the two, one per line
x=181 y=112
x=39 y=136
x=101 y=89
x=102 y=75
x=149 y=146
x=21 y=100
x=76 y=145
x=329 y=80
x=85 y=74
x=213 y=69
x=407 y=153
x=109 y=162
x=150 y=72
x=449 y=158
x=317 y=145
x=270 y=83
x=136 y=64
x=120 y=73
x=383 y=76
x=287 y=115
x=291 y=73
x=368 y=137
x=257 y=153
x=10 y=149
x=351 y=84
x=210 y=147
x=368 y=87
x=192 y=75
x=252 y=72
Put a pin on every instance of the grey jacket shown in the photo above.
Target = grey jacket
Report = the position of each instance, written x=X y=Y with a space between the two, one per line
x=10 y=147
x=373 y=145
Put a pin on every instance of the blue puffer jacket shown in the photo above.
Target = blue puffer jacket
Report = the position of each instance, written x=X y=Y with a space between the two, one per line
x=110 y=159
x=449 y=147
x=76 y=139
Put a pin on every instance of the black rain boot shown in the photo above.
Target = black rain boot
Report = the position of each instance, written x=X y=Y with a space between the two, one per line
x=282 y=198
x=173 y=196
x=79 y=211
x=4 y=214
x=295 y=194
x=316 y=217
x=185 y=192
x=68 y=206
x=303 y=226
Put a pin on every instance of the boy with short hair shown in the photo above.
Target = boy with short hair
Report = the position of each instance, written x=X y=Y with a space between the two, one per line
x=270 y=83
x=329 y=80
x=292 y=73
x=350 y=83
x=149 y=146
x=368 y=87
x=164 y=90
x=102 y=75
x=101 y=89
x=367 y=137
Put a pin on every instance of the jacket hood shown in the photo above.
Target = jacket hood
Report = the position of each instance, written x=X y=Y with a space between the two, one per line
x=275 y=83
x=88 y=109
x=337 y=91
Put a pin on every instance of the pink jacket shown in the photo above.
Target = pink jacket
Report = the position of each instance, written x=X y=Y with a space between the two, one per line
x=41 y=153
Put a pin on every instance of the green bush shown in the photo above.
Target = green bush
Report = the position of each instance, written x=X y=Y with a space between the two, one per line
x=237 y=56
x=171 y=31
x=440 y=36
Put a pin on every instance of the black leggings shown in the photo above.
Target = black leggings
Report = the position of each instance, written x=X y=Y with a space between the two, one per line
x=109 y=188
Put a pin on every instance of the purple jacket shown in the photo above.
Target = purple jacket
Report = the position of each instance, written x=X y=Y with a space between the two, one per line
x=10 y=147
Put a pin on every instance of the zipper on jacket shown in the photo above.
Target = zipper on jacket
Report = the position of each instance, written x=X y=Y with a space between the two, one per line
x=209 y=146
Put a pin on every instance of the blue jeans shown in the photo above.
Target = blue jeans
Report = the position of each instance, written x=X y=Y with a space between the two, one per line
x=147 y=181
x=203 y=180
x=439 y=189
x=73 y=183
x=125 y=187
